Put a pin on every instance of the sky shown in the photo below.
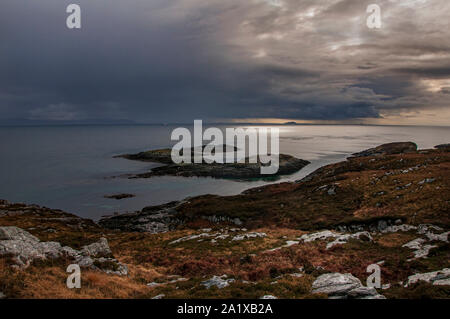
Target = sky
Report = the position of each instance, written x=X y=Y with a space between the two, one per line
x=172 y=61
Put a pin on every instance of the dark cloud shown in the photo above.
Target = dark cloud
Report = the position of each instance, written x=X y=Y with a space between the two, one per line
x=162 y=61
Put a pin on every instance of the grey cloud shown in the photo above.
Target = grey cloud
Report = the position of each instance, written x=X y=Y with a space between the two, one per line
x=155 y=61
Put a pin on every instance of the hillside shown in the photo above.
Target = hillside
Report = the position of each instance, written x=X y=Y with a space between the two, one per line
x=288 y=240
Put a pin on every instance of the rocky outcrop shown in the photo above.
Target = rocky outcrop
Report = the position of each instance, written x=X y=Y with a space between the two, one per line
x=437 y=278
x=389 y=149
x=343 y=286
x=155 y=219
x=339 y=239
x=249 y=236
x=23 y=248
x=219 y=282
x=420 y=249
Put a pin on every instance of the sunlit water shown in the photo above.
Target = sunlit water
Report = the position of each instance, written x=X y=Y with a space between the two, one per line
x=69 y=167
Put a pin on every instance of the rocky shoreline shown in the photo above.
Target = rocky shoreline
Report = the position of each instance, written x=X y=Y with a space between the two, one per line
x=314 y=238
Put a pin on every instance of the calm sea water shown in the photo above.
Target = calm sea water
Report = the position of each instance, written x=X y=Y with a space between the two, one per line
x=69 y=167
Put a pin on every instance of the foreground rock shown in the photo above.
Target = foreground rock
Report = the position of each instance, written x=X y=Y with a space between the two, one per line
x=287 y=165
x=389 y=149
x=24 y=248
x=343 y=286
x=437 y=278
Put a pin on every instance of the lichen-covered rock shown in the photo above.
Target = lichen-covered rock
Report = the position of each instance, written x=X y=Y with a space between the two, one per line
x=420 y=250
x=22 y=252
x=339 y=239
x=249 y=236
x=438 y=278
x=363 y=293
x=335 y=284
x=98 y=249
x=16 y=233
x=24 y=248
x=342 y=286
x=219 y=282
x=111 y=266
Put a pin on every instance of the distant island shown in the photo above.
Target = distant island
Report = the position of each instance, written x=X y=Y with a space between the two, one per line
x=287 y=165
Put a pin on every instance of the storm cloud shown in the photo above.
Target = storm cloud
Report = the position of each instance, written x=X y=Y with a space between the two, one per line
x=179 y=60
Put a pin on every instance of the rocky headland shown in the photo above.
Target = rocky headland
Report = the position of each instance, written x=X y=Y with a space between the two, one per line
x=314 y=238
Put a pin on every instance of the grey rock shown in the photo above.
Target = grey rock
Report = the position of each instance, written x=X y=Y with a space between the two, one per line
x=249 y=236
x=219 y=282
x=100 y=248
x=15 y=233
x=440 y=277
x=339 y=238
x=161 y=296
x=85 y=261
x=343 y=286
x=268 y=297
x=69 y=252
x=155 y=219
x=335 y=284
x=420 y=250
x=427 y=181
x=51 y=249
x=117 y=268
x=361 y=292
x=22 y=252
x=342 y=239
x=24 y=248
x=382 y=225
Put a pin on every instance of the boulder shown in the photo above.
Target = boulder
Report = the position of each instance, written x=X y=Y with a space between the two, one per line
x=16 y=233
x=24 y=248
x=343 y=286
x=335 y=284
x=98 y=249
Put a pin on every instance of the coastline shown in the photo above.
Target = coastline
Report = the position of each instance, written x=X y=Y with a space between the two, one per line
x=283 y=240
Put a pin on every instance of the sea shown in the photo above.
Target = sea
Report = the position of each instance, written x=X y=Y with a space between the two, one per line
x=73 y=167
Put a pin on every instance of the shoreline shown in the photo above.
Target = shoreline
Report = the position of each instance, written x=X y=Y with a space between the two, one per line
x=289 y=240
